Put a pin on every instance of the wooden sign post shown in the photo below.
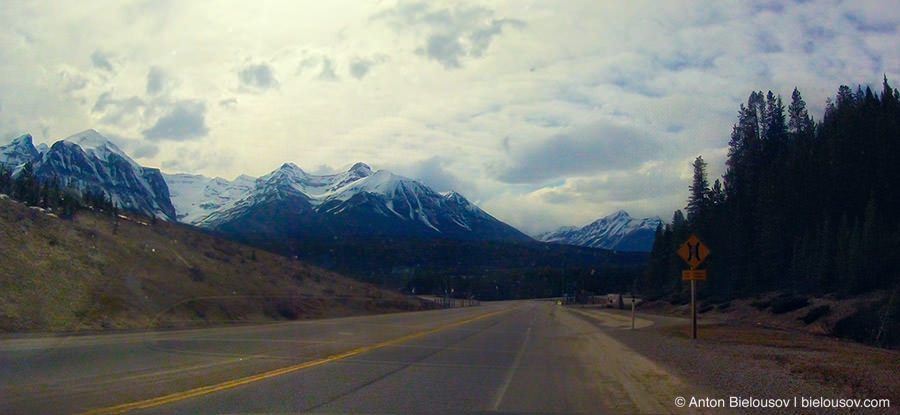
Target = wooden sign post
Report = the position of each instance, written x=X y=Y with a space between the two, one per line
x=694 y=252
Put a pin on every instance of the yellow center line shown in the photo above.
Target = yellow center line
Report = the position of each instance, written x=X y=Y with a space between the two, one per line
x=204 y=390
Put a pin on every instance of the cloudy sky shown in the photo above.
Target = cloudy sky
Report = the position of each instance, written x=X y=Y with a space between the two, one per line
x=544 y=113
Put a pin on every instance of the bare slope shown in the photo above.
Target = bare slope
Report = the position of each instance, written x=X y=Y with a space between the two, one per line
x=96 y=272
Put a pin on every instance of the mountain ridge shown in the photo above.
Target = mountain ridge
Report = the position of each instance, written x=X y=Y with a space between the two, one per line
x=617 y=231
x=90 y=162
x=285 y=204
x=358 y=202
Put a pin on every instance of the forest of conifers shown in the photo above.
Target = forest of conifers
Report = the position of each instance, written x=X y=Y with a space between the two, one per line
x=805 y=206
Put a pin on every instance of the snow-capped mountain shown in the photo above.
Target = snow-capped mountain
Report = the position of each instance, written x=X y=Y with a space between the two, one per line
x=359 y=202
x=286 y=204
x=91 y=162
x=195 y=197
x=18 y=152
x=618 y=231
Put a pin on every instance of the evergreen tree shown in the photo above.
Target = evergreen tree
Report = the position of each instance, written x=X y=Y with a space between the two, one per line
x=802 y=203
x=25 y=187
x=799 y=122
x=700 y=193
x=5 y=180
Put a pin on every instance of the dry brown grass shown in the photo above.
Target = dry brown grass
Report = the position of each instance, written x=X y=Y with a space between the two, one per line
x=94 y=272
x=850 y=367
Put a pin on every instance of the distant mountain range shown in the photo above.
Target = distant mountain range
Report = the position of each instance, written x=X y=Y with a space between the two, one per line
x=286 y=204
x=289 y=202
x=618 y=231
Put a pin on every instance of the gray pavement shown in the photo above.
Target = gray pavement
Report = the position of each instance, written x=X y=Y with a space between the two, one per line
x=513 y=357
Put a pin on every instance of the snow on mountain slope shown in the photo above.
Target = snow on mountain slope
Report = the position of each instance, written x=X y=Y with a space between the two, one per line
x=317 y=188
x=96 y=145
x=91 y=162
x=18 y=152
x=195 y=197
x=617 y=231
x=357 y=202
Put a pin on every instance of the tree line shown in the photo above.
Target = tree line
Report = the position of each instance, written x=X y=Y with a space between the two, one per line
x=51 y=194
x=804 y=206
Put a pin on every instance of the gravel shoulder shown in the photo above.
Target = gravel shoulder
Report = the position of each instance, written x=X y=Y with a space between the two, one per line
x=740 y=360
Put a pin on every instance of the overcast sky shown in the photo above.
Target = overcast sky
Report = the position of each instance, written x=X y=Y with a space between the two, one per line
x=544 y=113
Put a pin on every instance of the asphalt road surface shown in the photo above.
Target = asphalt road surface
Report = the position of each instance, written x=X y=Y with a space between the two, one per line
x=510 y=357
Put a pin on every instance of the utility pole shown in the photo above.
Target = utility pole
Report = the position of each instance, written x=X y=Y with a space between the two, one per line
x=632 y=310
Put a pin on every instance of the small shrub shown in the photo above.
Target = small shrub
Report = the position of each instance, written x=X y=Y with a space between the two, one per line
x=715 y=300
x=287 y=309
x=679 y=300
x=705 y=308
x=761 y=305
x=815 y=314
x=788 y=304
x=724 y=306
x=197 y=274
x=861 y=326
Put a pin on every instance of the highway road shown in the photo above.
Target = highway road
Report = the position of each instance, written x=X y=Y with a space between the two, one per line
x=509 y=357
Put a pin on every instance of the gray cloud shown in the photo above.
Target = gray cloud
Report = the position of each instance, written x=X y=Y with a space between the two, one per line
x=72 y=81
x=865 y=25
x=595 y=148
x=445 y=49
x=328 y=73
x=133 y=147
x=308 y=62
x=194 y=158
x=145 y=150
x=449 y=34
x=156 y=81
x=186 y=121
x=258 y=76
x=118 y=111
x=102 y=60
x=324 y=170
x=432 y=172
x=360 y=67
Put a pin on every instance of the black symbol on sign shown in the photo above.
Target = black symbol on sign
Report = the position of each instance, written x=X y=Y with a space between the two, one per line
x=693 y=251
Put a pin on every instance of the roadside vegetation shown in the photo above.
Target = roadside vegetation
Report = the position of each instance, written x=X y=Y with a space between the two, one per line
x=806 y=209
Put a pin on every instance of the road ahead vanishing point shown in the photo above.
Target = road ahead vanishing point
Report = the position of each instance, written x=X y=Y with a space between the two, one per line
x=513 y=357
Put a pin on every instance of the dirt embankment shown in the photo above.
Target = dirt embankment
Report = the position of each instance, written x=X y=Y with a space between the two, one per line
x=98 y=272
x=872 y=318
x=733 y=358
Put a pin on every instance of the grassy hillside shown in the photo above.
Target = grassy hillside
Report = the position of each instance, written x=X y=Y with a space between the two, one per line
x=97 y=272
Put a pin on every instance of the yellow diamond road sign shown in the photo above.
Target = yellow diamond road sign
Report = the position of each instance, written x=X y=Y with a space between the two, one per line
x=693 y=251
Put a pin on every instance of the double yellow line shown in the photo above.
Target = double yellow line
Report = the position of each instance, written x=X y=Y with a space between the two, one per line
x=203 y=390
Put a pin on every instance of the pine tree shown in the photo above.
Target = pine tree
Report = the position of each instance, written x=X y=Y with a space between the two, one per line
x=700 y=193
x=5 y=180
x=25 y=188
x=799 y=122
